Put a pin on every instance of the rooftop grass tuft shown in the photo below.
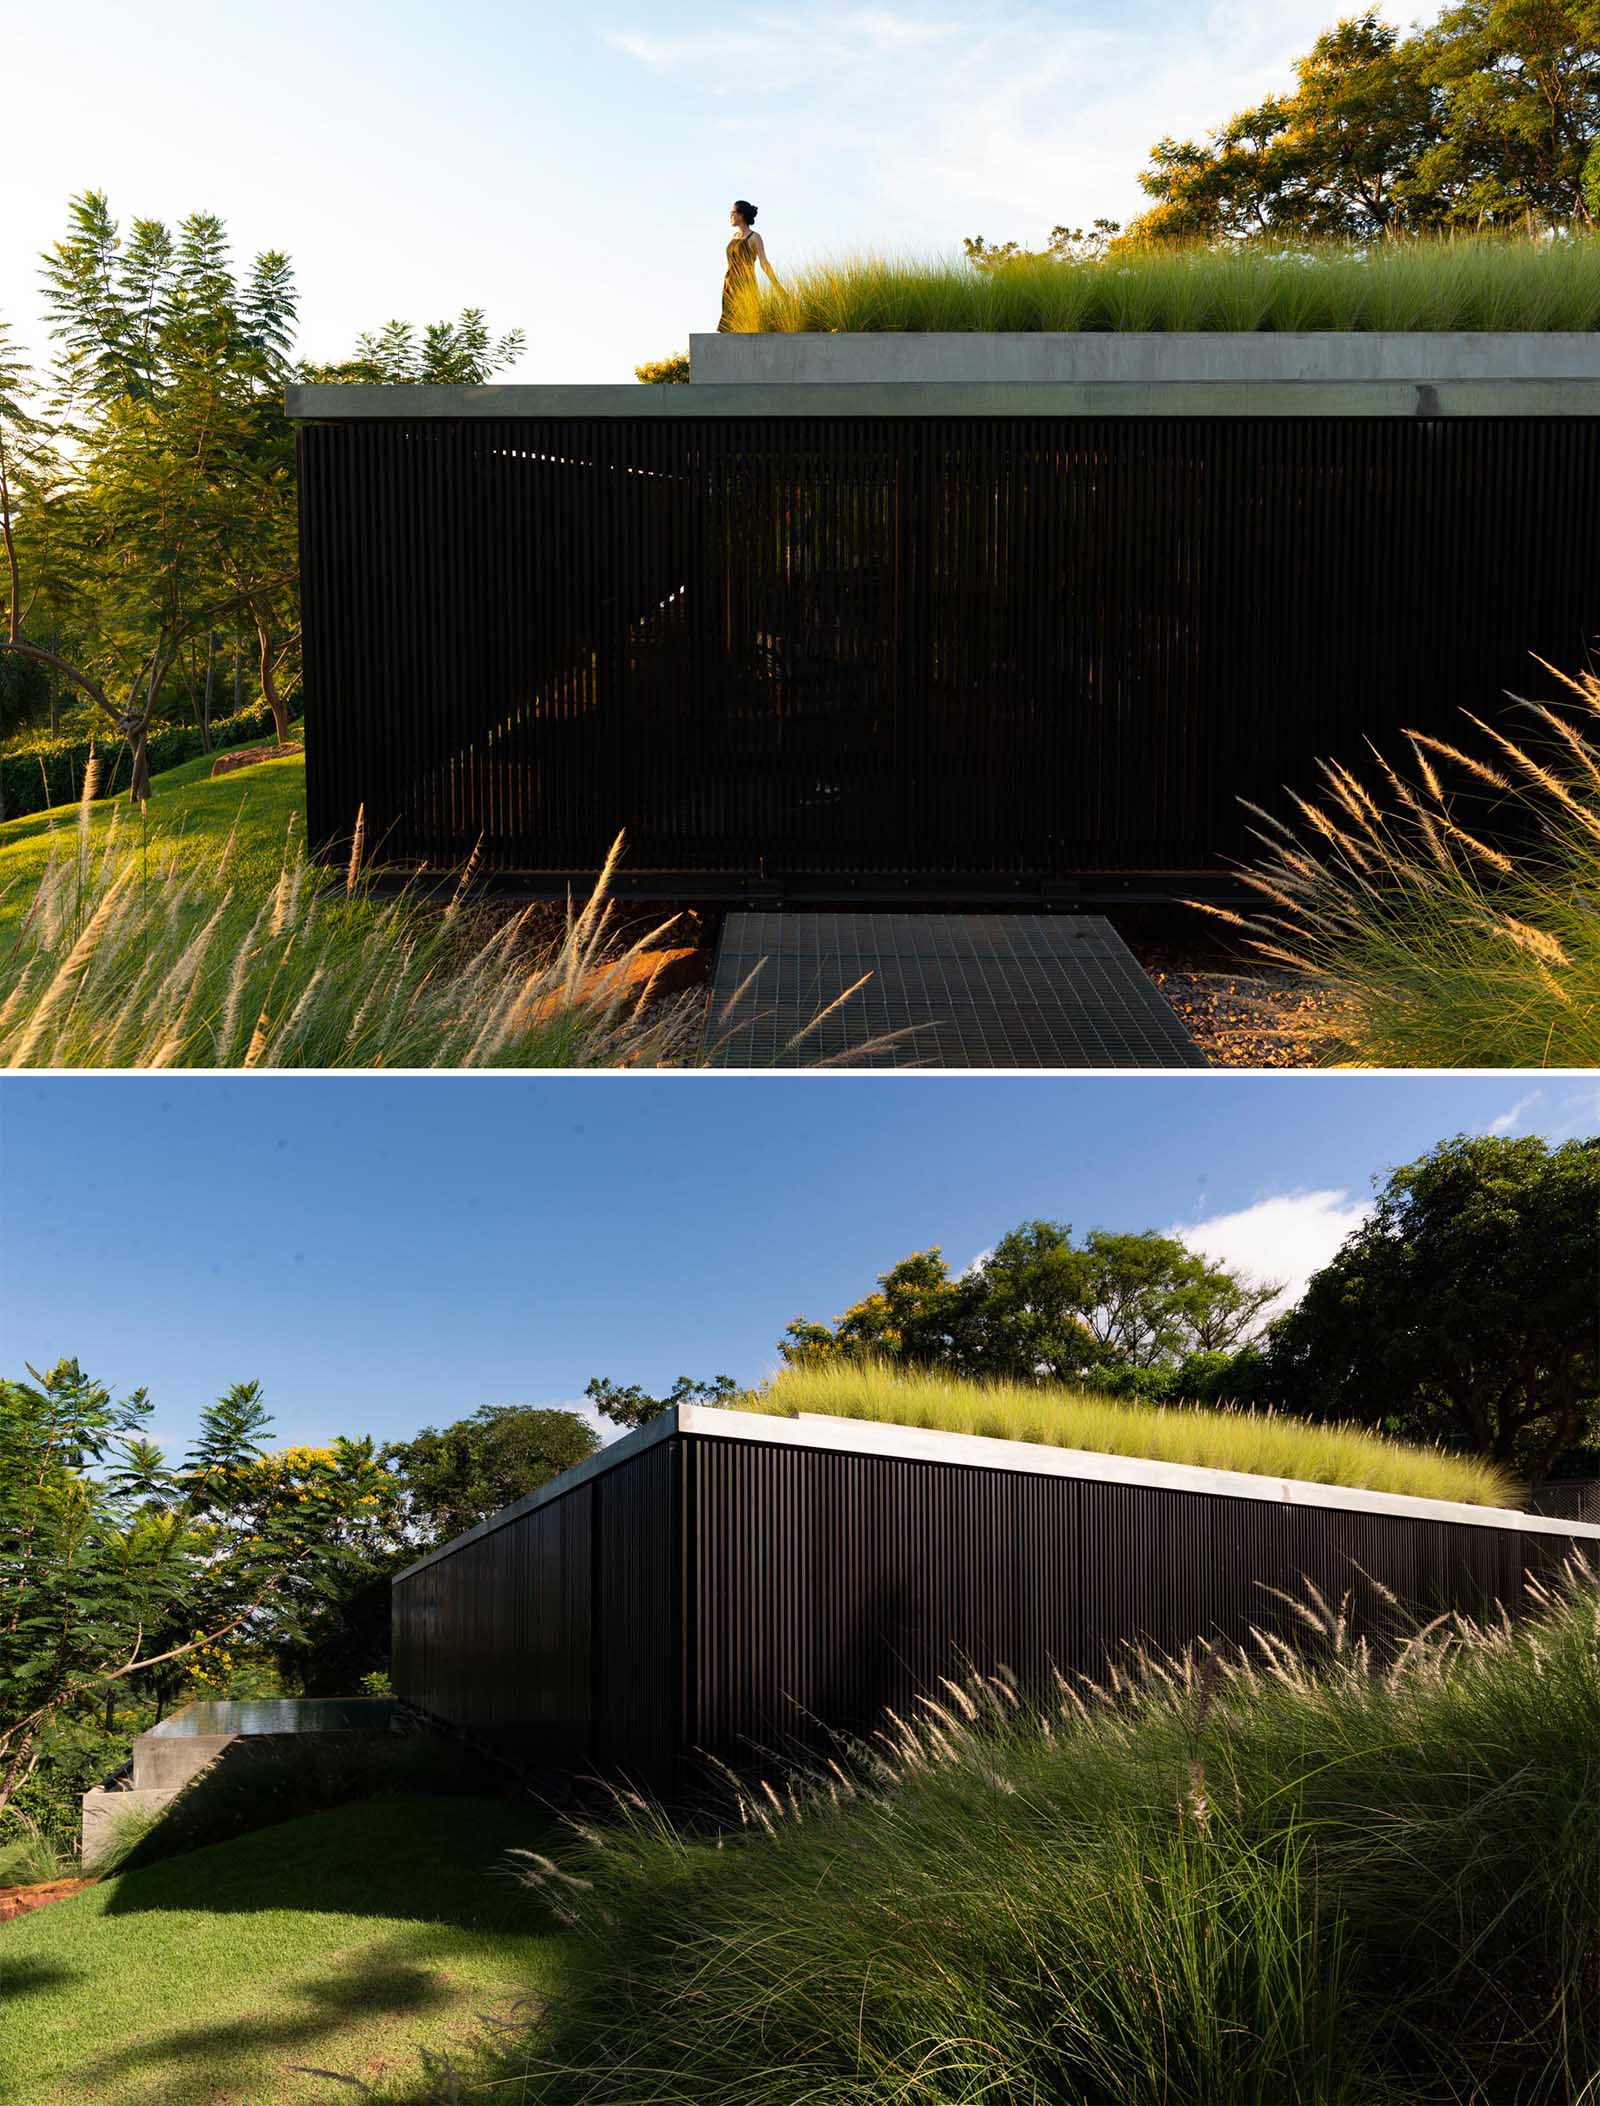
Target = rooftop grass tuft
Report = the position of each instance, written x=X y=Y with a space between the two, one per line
x=1471 y=282
x=1262 y=1443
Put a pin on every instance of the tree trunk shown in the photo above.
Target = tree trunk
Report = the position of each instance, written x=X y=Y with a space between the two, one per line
x=211 y=688
x=238 y=675
x=139 y=787
x=269 y=690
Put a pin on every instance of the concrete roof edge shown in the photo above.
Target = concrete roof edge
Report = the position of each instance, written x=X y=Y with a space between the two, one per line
x=307 y=403
x=980 y=1451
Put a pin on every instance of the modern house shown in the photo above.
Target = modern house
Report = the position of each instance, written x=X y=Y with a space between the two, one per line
x=724 y=1582
x=954 y=620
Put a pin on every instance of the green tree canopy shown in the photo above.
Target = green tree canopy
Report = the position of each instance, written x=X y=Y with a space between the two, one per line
x=456 y=1476
x=462 y=353
x=1487 y=117
x=1464 y=1311
x=113 y=1565
x=628 y=1405
x=1042 y=1307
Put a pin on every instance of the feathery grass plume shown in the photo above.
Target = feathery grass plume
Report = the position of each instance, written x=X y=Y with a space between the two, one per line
x=1469 y=761
x=259 y=1039
x=1578 y=745
x=358 y=842
x=1003 y=1907
x=1484 y=853
x=464 y=884
x=169 y=968
x=1463 y=945
x=69 y=974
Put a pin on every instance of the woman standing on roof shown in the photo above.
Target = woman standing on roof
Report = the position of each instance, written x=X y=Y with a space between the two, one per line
x=745 y=251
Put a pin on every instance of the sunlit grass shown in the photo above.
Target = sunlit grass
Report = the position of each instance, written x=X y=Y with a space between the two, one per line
x=346 y=1939
x=1470 y=282
x=1453 y=909
x=1262 y=1443
x=1351 y=1870
x=148 y=942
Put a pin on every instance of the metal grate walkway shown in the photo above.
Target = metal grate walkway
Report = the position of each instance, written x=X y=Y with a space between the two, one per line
x=947 y=991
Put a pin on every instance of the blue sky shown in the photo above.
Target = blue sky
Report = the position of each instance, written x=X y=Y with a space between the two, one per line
x=571 y=168
x=386 y=1253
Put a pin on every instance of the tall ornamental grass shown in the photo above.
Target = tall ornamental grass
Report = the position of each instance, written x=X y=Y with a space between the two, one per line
x=1453 y=909
x=1472 y=282
x=127 y=958
x=1265 y=1443
x=1335 y=1874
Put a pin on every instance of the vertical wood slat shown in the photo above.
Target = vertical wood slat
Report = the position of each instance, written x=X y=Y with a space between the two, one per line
x=968 y=652
x=714 y=1596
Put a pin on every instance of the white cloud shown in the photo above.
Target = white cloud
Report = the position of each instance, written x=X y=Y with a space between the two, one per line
x=995 y=119
x=1576 y=1116
x=1510 y=1119
x=1286 y=1238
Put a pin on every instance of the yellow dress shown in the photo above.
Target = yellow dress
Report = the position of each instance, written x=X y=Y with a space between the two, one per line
x=738 y=286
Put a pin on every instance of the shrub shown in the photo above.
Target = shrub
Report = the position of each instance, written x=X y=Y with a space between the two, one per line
x=1367 y=1871
x=1199 y=1378
x=1264 y=1442
x=44 y=772
x=1450 y=938
x=669 y=372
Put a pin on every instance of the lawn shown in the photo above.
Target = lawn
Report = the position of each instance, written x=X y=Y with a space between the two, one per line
x=1265 y=1443
x=188 y=810
x=201 y=936
x=1489 y=282
x=341 y=1941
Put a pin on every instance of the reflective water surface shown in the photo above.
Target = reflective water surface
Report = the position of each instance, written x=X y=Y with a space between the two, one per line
x=281 y=1715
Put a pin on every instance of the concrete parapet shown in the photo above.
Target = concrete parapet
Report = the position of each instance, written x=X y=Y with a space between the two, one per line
x=1099 y=358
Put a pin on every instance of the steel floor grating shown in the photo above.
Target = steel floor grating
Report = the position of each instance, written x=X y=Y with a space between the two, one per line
x=946 y=991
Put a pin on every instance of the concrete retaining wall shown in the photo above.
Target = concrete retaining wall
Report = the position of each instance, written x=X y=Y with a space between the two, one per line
x=1087 y=358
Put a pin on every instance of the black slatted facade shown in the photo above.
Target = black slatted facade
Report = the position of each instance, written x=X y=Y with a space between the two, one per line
x=714 y=1595
x=967 y=657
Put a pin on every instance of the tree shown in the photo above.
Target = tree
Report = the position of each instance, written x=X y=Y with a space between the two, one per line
x=1025 y=1315
x=29 y=477
x=1041 y=1308
x=1519 y=87
x=632 y=1406
x=169 y=511
x=1487 y=118
x=461 y=353
x=108 y=1566
x=1464 y=1310
x=450 y=1479
x=1333 y=158
x=1066 y=244
x=169 y=373
x=917 y=1318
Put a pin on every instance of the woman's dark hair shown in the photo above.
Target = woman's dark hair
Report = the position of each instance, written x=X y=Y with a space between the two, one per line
x=745 y=210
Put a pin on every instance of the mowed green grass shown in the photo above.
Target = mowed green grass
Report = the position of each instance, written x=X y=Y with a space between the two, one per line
x=1263 y=1443
x=186 y=809
x=342 y=1941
